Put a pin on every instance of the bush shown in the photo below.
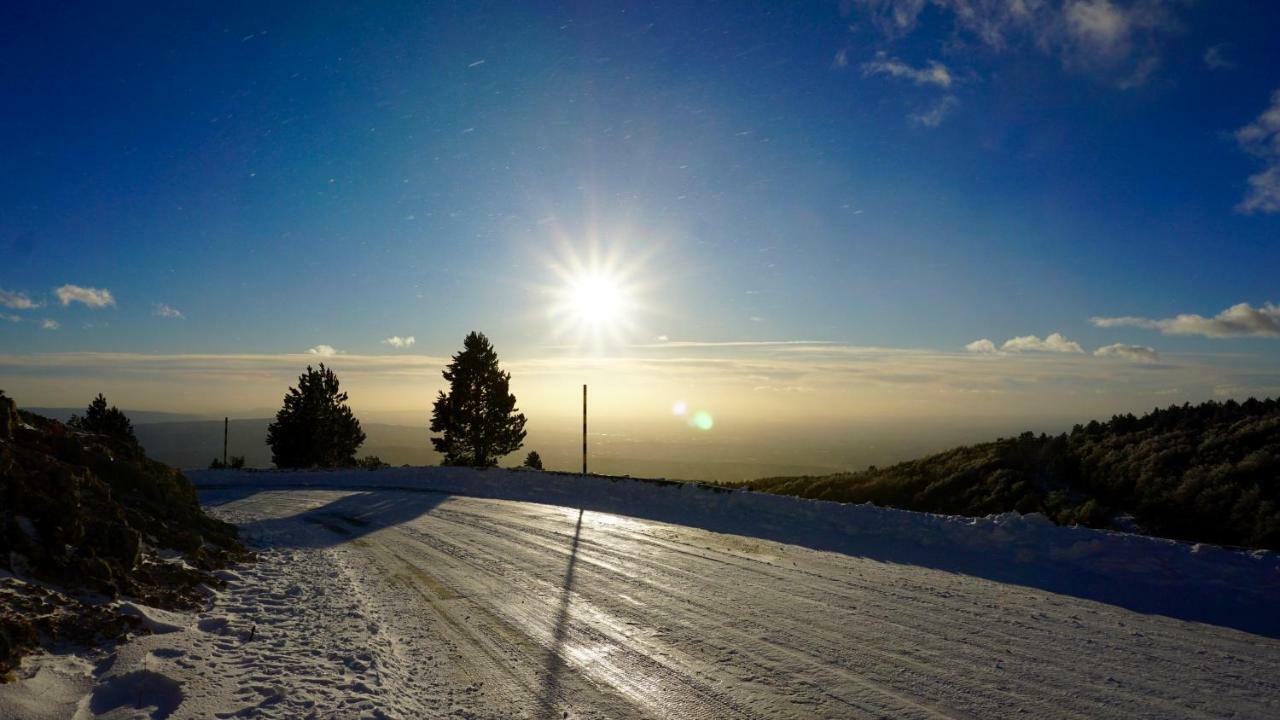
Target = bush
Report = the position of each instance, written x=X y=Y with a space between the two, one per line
x=371 y=462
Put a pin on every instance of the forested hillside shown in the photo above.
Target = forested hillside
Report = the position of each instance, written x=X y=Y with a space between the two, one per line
x=1207 y=472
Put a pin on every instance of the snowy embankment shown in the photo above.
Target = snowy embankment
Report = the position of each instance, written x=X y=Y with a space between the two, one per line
x=1198 y=582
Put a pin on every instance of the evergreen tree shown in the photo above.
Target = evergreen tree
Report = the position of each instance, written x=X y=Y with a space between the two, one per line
x=477 y=419
x=315 y=428
x=533 y=460
x=102 y=420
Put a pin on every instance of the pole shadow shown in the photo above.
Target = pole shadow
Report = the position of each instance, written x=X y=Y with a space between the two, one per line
x=555 y=666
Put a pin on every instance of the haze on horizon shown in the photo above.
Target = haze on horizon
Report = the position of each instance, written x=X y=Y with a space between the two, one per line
x=814 y=224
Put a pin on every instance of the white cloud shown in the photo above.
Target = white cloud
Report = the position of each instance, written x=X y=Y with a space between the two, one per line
x=1119 y=40
x=1262 y=138
x=90 y=297
x=982 y=347
x=934 y=116
x=323 y=351
x=1216 y=59
x=1264 y=191
x=935 y=74
x=1098 y=24
x=167 y=311
x=1240 y=320
x=48 y=324
x=10 y=318
x=1137 y=353
x=16 y=300
x=1054 y=343
x=396 y=341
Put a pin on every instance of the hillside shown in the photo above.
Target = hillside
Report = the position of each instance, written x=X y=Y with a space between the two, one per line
x=87 y=519
x=1208 y=473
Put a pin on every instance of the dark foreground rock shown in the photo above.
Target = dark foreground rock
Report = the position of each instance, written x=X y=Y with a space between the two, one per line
x=87 y=518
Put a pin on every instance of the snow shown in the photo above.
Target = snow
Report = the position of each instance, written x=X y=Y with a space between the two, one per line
x=1141 y=573
x=440 y=592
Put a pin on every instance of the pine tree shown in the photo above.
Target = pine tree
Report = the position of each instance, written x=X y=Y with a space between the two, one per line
x=102 y=420
x=315 y=428
x=533 y=460
x=477 y=419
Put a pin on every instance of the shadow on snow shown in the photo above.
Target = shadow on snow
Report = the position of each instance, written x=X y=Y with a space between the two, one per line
x=371 y=509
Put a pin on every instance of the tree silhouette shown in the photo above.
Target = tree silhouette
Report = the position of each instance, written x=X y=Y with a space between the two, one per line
x=315 y=428
x=533 y=460
x=102 y=420
x=477 y=419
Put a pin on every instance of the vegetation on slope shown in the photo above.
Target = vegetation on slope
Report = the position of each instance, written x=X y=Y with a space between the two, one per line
x=84 y=516
x=1207 y=473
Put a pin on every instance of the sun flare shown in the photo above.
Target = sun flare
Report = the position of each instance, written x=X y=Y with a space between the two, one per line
x=596 y=300
x=596 y=297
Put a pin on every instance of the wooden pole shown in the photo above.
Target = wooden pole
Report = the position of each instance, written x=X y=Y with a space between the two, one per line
x=584 y=429
x=226 y=423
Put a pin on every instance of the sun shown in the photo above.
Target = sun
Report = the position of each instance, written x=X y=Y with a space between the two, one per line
x=596 y=300
x=599 y=291
x=594 y=305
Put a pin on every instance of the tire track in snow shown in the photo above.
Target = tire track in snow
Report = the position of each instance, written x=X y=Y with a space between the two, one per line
x=656 y=609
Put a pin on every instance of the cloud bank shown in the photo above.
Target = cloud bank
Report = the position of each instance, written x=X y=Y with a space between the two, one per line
x=741 y=384
x=1240 y=320
x=396 y=341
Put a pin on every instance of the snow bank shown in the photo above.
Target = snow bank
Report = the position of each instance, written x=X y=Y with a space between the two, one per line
x=1205 y=583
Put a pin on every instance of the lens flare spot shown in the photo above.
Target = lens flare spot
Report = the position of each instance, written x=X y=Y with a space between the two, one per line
x=702 y=420
x=679 y=408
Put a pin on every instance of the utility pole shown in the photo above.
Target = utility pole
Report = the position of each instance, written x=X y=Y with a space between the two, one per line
x=226 y=423
x=584 y=429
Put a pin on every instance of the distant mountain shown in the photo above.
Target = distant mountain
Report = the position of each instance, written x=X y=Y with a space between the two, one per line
x=135 y=416
x=1206 y=473
x=193 y=444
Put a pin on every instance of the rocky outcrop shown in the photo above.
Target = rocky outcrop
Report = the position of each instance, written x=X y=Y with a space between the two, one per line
x=90 y=516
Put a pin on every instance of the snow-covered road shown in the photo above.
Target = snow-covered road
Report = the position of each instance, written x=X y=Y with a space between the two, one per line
x=383 y=601
x=418 y=604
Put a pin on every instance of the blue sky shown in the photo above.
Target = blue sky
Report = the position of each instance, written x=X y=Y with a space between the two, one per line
x=264 y=179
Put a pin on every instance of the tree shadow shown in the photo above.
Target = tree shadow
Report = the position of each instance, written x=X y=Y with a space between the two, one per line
x=555 y=665
x=217 y=495
x=342 y=520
